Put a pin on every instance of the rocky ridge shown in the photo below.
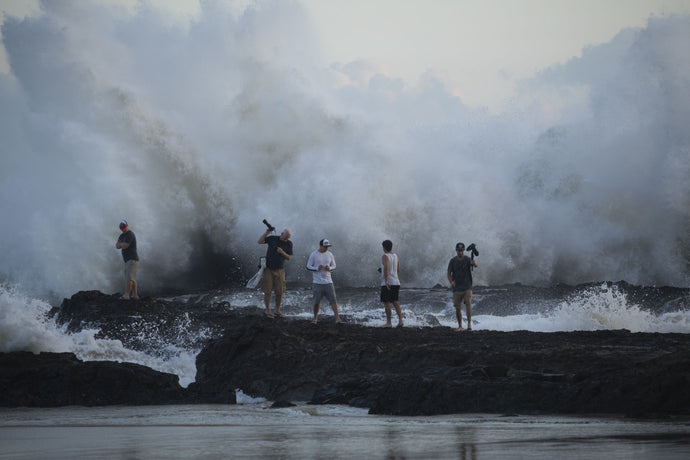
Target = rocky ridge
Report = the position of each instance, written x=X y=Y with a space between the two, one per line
x=406 y=371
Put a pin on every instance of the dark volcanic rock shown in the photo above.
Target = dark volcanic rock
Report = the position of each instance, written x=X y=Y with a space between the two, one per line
x=411 y=371
x=136 y=323
x=60 y=379
x=438 y=371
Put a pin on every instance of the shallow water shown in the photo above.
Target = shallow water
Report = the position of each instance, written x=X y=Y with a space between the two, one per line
x=255 y=430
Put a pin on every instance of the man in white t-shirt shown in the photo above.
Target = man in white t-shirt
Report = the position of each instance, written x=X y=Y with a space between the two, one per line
x=321 y=262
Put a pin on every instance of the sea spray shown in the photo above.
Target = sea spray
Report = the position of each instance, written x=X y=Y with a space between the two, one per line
x=603 y=307
x=195 y=133
x=26 y=325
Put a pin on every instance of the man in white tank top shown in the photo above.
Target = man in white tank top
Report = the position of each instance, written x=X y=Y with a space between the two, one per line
x=390 y=283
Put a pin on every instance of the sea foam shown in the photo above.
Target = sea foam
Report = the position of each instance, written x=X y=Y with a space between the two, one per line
x=25 y=325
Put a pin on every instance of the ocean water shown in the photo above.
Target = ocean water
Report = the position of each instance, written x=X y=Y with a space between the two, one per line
x=253 y=430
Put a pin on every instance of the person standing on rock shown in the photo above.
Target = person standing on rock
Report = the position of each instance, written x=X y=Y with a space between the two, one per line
x=127 y=242
x=321 y=263
x=460 y=278
x=279 y=250
x=390 y=283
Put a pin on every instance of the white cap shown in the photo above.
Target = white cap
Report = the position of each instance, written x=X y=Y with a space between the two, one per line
x=325 y=243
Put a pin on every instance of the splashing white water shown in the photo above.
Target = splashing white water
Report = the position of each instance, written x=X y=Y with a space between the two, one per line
x=243 y=398
x=194 y=134
x=603 y=308
x=25 y=326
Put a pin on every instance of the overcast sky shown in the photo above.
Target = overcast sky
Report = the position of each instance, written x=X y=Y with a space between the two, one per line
x=480 y=48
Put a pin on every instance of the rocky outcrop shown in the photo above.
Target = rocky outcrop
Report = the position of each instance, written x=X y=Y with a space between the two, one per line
x=429 y=371
x=60 y=379
x=139 y=323
x=407 y=371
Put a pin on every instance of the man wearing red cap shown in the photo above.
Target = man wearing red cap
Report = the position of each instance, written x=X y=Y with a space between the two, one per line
x=127 y=242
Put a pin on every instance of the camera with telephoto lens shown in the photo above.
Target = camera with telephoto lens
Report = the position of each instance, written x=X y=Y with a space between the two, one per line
x=473 y=249
x=269 y=226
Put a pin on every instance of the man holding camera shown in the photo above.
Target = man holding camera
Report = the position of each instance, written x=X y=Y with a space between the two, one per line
x=279 y=250
x=460 y=278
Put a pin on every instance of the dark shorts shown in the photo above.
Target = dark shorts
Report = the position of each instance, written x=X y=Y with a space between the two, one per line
x=390 y=295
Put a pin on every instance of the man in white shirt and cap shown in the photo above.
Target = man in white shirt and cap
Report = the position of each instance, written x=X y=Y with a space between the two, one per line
x=321 y=263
